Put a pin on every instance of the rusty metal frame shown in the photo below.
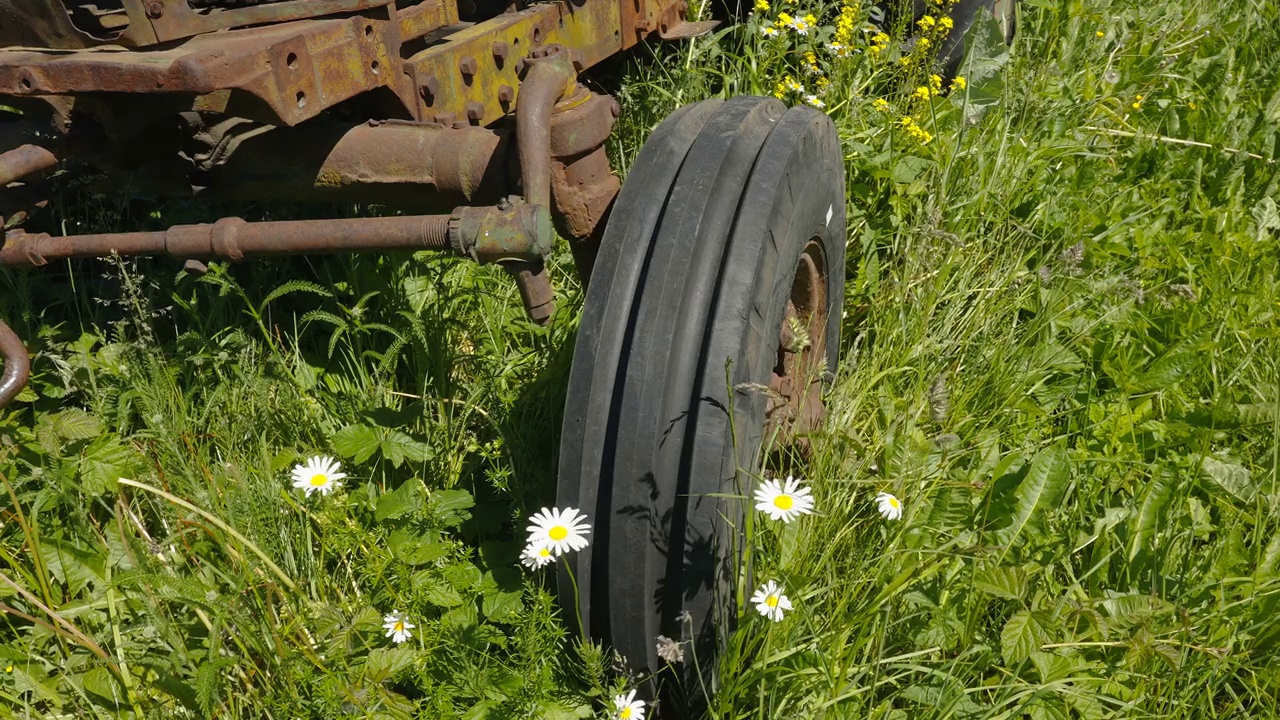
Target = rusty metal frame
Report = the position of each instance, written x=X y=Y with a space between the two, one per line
x=250 y=96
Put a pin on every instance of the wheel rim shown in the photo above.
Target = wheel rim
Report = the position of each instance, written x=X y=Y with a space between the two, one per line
x=795 y=403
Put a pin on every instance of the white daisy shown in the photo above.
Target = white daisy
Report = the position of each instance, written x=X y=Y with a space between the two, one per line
x=561 y=531
x=769 y=31
x=627 y=707
x=319 y=474
x=889 y=506
x=801 y=26
x=770 y=602
x=815 y=101
x=784 y=503
x=397 y=627
x=536 y=556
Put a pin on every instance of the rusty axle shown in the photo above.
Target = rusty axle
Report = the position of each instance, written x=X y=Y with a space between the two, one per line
x=512 y=233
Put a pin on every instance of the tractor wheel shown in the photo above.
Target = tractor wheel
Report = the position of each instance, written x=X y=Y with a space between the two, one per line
x=711 y=322
x=965 y=12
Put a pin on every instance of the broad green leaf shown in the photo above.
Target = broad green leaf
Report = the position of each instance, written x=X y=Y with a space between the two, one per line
x=72 y=564
x=1146 y=525
x=436 y=590
x=1166 y=371
x=1005 y=582
x=103 y=462
x=503 y=606
x=408 y=498
x=1228 y=476
x=1045 y=481
x=909 y=168
x=413 y=548
x=100 y=682
x=357 y=442
x=75 y=424
x=384 y=663
x=1023 y=634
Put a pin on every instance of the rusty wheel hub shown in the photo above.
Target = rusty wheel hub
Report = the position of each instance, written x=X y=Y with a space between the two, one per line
x=795 y=406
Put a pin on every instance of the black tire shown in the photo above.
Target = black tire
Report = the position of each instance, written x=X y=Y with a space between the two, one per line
x=965 y=12
x=702 y=249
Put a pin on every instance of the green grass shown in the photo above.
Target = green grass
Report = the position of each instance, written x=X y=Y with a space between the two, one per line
x=1062 y=351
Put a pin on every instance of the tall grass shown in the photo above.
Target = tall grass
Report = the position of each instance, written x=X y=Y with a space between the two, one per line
x=1061 y=351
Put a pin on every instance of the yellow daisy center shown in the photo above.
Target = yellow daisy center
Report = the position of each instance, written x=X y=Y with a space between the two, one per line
x=319 y=479
x=558 y=533
x=545 y=552
x=784 y=502
x=626 y=712
x=893 y=503
x=771 y=601
x=399 y=627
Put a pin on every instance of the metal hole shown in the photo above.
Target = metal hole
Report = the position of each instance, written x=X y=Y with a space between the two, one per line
x=291 y=60
x=302 y=99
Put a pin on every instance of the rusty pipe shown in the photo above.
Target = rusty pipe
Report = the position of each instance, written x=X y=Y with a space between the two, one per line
x=24 y=160
x=233 y=238
x=550 y=78
x=516 y=232
x=17 y=365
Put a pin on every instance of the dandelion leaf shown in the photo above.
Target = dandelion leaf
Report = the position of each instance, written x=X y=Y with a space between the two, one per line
x=1233 y=478
x=1042 y=487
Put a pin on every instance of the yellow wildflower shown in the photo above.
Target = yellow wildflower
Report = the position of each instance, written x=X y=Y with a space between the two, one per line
x=923 y=44
x=1137 y=102
x=762 y=6
x=959 y=83
x=881 y=104
x=822 y=83
x=921 y=93
x=935 y=82
x=926 y=23
x=784 y=19
x=946 y=22
x=1099 y=34
x=914 y=131
x=844 y=26
x=1191 y=104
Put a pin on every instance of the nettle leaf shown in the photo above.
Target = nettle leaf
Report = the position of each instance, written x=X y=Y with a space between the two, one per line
x=1045 y=481
x=1005 y=582
x=1023 y=635
x=357 y=442
x=408 y=498
x=1228 y=476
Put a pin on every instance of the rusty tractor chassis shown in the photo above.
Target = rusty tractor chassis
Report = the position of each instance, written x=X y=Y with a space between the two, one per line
x=469 y=109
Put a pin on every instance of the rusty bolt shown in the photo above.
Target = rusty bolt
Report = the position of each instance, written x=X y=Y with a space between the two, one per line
x=468 y=65
x=506 y=94
x=475 y=111
x=429 y=87
x=155 y=9
x=500 y=51
x=445 y=119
